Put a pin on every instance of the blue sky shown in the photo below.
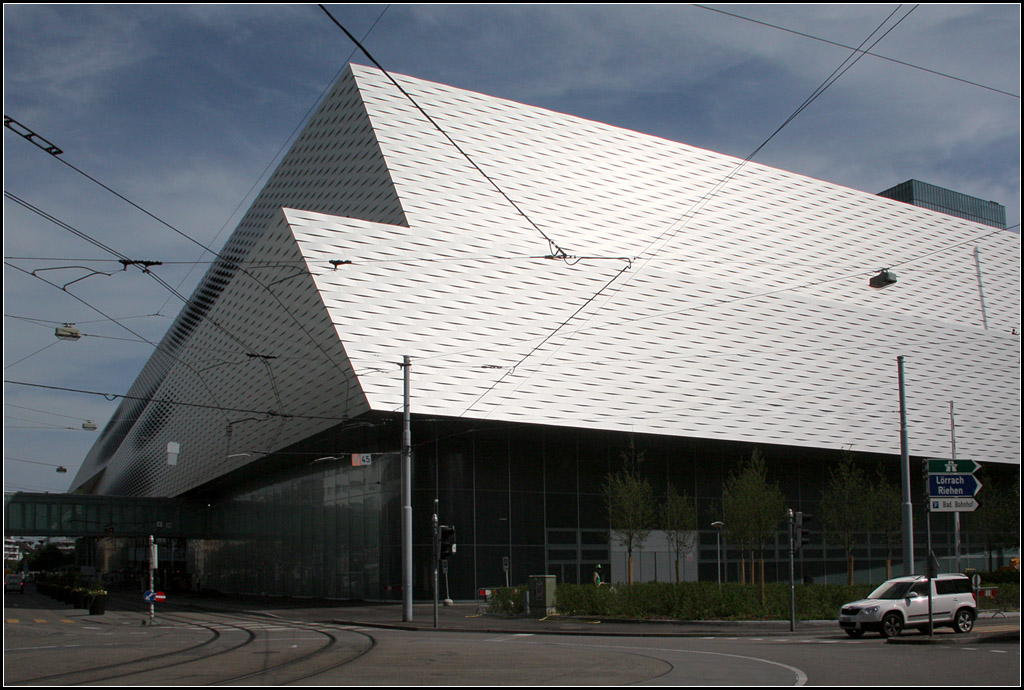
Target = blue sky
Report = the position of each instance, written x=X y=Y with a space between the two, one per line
x=182 y=109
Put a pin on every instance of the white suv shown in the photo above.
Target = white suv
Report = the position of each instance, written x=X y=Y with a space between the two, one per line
x=903 y=603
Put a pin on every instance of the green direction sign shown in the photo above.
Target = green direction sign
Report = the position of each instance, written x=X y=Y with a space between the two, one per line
x=952 y=466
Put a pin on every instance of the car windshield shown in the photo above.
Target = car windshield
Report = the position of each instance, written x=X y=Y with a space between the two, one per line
x=891 y=590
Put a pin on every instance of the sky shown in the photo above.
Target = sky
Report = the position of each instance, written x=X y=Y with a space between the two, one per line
x=170 y=118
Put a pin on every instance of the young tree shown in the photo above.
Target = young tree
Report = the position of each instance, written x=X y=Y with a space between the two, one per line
x=631 y=506
x=885 y=515
x=845 y=509
x=679 y=520
x=752 y=509
x=997 y=518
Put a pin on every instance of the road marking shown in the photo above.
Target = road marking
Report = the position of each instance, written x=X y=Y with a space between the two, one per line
x=801 y=677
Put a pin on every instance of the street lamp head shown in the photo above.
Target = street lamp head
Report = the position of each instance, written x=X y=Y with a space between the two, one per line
x=718 y=524
x=885 y=277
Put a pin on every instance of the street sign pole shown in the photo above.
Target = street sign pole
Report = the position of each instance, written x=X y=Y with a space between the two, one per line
x=950 y=487
x=956 y=515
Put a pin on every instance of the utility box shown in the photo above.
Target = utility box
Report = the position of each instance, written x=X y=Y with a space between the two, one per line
x=542 y=594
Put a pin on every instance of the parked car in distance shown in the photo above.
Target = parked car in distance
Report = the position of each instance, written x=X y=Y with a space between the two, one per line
x=903 y=603
x=14 y=582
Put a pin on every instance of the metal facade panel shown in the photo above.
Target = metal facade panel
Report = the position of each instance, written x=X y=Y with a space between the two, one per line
x=745 y=315
x=700 y=296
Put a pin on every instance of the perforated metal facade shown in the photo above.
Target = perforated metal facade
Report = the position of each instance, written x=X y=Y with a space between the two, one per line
x=699 y=297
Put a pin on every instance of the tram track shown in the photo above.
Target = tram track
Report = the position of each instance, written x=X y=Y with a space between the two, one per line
x=240 y=648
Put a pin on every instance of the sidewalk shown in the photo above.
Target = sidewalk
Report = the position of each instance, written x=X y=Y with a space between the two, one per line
x=473 y=617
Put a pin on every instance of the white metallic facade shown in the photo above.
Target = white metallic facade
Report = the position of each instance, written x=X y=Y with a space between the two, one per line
x=697 y=296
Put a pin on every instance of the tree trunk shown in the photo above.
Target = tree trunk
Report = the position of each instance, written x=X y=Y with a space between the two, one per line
x=764 y=598
x=630 y=578
x=849 y=568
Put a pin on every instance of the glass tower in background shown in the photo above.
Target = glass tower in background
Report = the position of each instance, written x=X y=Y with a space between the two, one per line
x=947 y=201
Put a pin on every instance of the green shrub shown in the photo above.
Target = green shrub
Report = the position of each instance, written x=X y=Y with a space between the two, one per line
x=998 y=577
x=508 y=600
x=1007 y=599
x=706 y=600
x=583 y=600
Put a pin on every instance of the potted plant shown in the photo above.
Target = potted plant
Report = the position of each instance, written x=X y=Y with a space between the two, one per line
x=97 y=597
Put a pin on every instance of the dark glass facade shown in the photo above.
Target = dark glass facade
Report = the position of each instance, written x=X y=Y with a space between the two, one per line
x=949 y=202
x=522 y=495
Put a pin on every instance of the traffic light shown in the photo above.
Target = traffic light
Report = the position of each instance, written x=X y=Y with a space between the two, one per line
x=800 y=536
x=447 y=541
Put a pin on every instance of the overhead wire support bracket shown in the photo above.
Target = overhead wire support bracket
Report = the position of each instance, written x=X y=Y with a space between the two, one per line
x=91 y=272
x=30 y=136
x=134 y=262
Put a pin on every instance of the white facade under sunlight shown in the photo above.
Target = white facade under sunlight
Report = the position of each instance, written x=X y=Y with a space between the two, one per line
x=558 y=271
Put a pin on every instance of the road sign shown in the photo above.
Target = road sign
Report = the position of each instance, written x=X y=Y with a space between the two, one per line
x=952 y=466
x=152 y=596
x=952 y=485
x=159 y=596
x=953 y=505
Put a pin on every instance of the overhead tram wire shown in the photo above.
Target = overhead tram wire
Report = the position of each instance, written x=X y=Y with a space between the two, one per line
x=158 y=347
x=556 y=250
x=56 y=152
x=676 y=227
x=122 y=258
x=649 y=252
x=838 y=72
x=178 y=403
x=295 y=130
x=112 y=319
x=842 y=45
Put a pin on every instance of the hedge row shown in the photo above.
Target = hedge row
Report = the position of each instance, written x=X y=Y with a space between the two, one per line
x=708 y=600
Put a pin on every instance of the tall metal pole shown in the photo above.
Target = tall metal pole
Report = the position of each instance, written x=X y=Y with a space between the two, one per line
x=436 y=557
x=908 y=514
x=792 y=574
x=406 y=498
x=718 y=525
x=956 y=514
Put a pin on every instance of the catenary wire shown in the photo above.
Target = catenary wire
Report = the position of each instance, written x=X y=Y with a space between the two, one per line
x=842 y=45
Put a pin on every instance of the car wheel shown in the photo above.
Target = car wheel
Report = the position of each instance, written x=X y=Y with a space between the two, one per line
x=964 y=621
x=892 y=625
x=855 y=633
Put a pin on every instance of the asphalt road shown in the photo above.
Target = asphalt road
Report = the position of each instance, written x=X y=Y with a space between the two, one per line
x=253 y=642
